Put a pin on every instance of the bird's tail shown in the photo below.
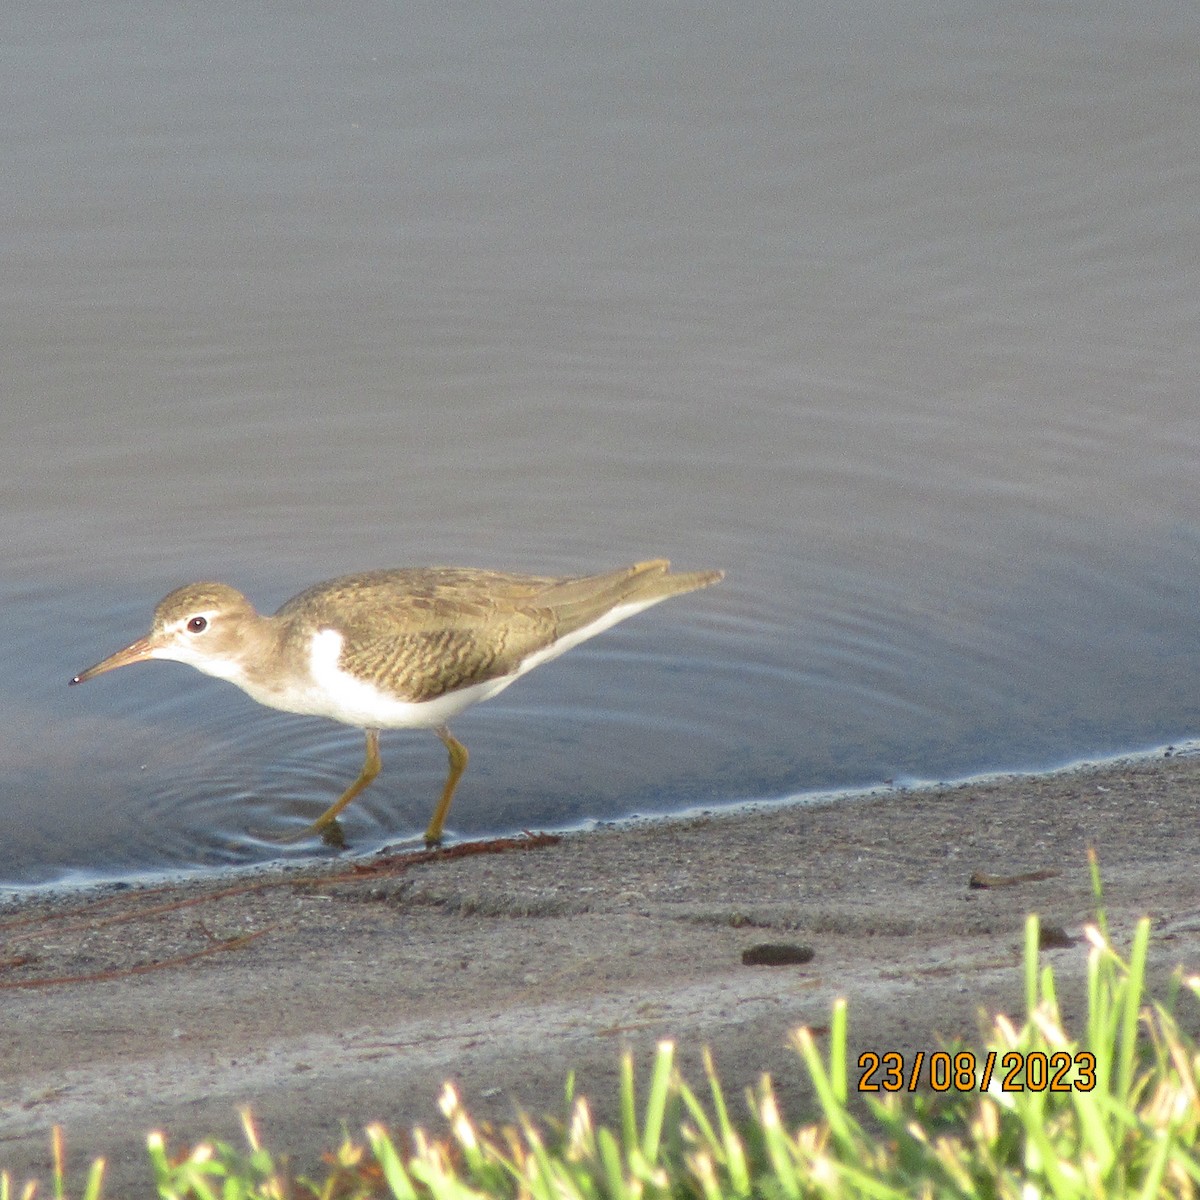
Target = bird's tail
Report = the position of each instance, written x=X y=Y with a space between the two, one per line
x=579 y=602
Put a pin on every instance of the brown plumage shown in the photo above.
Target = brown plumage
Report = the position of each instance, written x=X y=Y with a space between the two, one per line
x=390 y=649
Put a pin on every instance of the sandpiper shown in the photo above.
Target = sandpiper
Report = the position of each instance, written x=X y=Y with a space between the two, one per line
x=398 y=649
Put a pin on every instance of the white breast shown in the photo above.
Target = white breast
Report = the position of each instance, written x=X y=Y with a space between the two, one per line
x=353 y=701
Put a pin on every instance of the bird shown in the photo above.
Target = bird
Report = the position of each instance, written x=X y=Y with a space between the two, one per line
x=404 y=648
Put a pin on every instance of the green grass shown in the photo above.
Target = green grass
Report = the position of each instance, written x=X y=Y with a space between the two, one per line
x=1124 y=1125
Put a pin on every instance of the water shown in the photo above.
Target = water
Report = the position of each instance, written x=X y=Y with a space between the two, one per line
x=891 y=313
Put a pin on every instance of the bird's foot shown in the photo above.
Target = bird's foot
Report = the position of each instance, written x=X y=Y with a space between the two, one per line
x=331 y=832
x=334 y=835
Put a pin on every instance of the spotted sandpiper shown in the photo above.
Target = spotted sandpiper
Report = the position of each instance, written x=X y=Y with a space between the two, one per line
x=400 y=649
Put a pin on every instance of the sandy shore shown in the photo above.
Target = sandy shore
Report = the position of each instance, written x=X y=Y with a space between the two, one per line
x=347 y=992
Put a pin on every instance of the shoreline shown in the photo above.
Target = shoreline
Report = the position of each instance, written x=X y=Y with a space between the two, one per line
x=68 y=887
x=349 y=990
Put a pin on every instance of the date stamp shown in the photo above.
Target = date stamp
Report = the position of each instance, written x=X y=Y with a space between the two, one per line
x=965 y=1071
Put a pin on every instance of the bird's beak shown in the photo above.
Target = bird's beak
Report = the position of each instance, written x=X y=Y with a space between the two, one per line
x=139 y=651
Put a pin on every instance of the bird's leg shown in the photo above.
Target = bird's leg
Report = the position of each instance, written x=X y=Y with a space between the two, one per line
x=326 y=824
x=458 y=764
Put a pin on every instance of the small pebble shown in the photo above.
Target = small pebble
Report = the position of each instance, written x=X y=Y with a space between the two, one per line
x=1054 y=937
x=776 y=954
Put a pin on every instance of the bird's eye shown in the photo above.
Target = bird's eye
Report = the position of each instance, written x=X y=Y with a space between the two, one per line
x=197 y=625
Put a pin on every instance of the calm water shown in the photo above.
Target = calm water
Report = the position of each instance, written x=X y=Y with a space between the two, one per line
x=890 y=312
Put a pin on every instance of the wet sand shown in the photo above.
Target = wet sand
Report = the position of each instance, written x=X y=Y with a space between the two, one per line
x=348 y=991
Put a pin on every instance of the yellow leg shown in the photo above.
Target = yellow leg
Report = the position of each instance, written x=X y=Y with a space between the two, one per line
x=458 y=764
x=326 y=824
